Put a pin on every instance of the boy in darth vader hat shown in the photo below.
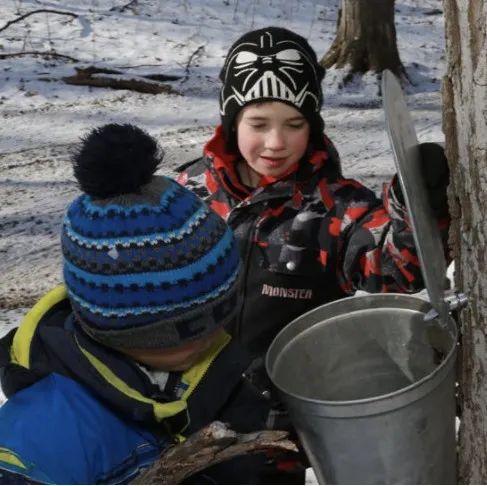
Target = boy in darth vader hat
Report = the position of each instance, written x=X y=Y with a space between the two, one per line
x=307 y=234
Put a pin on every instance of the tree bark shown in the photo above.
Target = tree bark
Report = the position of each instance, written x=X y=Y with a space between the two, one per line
x=465 y=127
x=365 y=38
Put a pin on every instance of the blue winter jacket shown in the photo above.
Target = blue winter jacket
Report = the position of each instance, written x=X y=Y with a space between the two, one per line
x=80 y=413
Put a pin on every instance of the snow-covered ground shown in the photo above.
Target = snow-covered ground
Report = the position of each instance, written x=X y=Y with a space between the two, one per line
x=43 y=118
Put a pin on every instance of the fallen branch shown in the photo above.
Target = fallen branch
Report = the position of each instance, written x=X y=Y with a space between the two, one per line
x=44 y=10
x=39 y=53
x=134 y=66
x=109 y=78
x=91 y=70
x=211 y=445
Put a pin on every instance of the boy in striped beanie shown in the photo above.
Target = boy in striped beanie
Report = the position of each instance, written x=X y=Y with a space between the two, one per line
x=146 y=263
x=130 y=355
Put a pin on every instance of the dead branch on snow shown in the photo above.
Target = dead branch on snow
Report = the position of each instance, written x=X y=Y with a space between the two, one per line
x=44 y=10
x=110 y=78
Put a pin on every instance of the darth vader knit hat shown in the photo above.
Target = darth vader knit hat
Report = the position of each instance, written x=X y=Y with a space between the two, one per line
x=272 y=64
x=146 y=263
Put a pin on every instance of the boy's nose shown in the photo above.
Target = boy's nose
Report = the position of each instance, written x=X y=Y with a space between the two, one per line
x=275 y=140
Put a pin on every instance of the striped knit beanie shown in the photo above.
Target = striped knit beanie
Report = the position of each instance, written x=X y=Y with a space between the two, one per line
x=146 y=263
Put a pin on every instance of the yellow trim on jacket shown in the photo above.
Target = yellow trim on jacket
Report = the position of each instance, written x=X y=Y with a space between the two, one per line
x=20 y=349
x=9 y=457
x=191 y=377
x=20 y=354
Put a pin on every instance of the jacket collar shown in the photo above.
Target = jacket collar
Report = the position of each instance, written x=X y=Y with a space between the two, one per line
x=117 y=380
x=224 y=164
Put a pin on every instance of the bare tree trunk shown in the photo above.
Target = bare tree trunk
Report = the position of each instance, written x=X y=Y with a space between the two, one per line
x=465 y=127
x=365 y=38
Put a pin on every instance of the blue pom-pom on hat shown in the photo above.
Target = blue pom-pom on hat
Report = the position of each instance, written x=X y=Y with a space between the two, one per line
x=147 y=264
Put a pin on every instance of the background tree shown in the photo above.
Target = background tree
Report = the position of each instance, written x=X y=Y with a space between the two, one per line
x=365 y=38
x=465 y=127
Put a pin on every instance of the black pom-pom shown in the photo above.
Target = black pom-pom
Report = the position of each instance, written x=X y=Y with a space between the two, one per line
x=116 y=159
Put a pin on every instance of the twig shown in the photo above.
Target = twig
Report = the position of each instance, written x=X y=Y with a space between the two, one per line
x=211 y=445
x=312 y=19
x=134 y=66
x=38 y=53
x=235 y=11
x=190 y=60
x=22 y=17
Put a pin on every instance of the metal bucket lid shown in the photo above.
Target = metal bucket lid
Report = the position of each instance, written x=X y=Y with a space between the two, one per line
x=427 y=237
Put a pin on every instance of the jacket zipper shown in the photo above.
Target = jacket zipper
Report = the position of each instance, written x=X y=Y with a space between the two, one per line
x=243 y=284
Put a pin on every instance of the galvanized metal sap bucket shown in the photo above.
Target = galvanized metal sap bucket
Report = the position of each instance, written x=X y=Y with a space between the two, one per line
x=370 y=389
x=368 y=382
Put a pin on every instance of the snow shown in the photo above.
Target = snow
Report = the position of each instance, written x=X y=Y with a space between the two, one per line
x=43 y=118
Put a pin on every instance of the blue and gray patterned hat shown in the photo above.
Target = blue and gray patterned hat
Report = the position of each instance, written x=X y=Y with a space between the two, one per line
x=146 y=263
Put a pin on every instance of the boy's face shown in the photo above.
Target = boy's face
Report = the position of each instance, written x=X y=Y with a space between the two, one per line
x=179 y=358
x=272 y=137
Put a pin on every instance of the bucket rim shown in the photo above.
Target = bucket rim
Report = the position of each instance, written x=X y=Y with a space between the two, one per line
x=376 y=398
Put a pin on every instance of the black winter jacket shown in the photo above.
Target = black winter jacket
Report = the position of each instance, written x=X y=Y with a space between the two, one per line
x=308 y=238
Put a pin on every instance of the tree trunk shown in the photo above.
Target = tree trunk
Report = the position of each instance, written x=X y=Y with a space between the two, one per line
x=365 y=38
x=465 y=127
